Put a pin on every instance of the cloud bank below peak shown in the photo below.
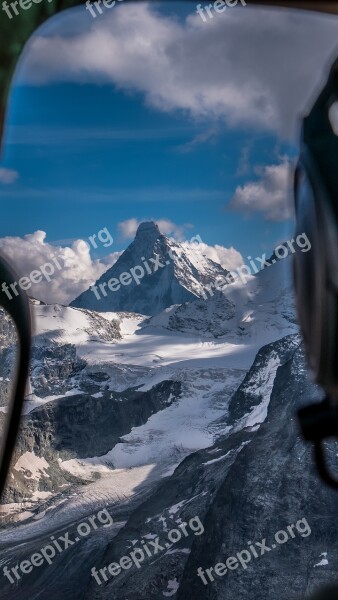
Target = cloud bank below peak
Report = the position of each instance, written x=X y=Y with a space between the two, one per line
x=79 y=270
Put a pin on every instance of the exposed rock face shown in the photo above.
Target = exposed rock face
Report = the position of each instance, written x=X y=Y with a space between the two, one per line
x=257 y=480
x=272 y=485
x=7 y=330
x=82 y=426
x=53 y=368
x=260 y=309
x=8 y=339
x=210 y=317
x=98 y=326
x=35 y=474
x=79 y=426
x=176 y=275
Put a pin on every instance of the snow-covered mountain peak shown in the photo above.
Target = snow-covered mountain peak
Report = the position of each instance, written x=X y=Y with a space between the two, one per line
x=153 y=273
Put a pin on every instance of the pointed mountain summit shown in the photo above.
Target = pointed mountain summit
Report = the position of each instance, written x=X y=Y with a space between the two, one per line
x=148 y=230
x=152 y=274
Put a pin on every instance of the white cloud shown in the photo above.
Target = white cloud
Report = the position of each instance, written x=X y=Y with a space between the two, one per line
x=229 y=258
x=270 y=196
x=249 y=67
x=8 y=176
x=78 y=271
x=167 y=227
x=128 y=228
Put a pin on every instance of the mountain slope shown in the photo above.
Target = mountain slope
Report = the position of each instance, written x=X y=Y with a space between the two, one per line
x=8 y=340
x=158 y=273
x=256 y=480
x=256 y=312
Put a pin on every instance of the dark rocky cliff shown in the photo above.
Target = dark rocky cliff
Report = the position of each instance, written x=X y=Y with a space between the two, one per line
x=254 y=482
x=80 y=426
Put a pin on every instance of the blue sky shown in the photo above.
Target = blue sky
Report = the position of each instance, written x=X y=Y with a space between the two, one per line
x=89 y=156
x=94 y=147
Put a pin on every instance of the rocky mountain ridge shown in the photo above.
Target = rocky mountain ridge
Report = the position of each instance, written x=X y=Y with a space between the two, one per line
x=158 y=272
